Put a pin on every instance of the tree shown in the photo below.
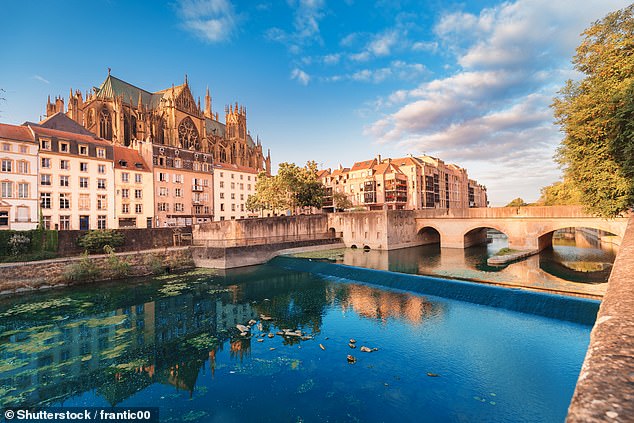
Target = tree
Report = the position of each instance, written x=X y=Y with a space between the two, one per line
x=561 y=193
x=341 y=201
x=596 y=113
x=291 y=188
x=518 y=202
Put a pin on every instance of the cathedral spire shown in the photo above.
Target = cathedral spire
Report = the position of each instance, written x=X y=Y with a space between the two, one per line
x=186 y=80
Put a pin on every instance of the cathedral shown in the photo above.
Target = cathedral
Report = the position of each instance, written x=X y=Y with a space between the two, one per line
x=124 y=114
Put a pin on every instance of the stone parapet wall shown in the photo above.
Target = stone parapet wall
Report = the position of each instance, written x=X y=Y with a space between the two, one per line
x=605 y=389
x=46 y=274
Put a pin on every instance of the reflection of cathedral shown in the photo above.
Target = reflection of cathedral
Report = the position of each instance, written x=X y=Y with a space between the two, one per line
x=123 y=113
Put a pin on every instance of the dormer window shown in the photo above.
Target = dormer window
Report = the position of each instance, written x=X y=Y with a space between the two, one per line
x=45 y=144
x=64 y=147
x=123 y=163
x=83 y=150
x=138 y=165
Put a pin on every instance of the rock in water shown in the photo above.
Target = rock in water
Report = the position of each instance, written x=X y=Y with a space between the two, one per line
x=353 y=341
x=322 y=347
x=351 y=359
x=351 y=345
x=271 y=335
x=261 y=340
x=432 y=374
x=365 y=349
x=242 y=328
x=251 y=322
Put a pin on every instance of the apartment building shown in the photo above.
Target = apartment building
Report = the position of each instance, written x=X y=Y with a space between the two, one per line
x=19 y=206
x=183 y=182
x=232 y=186
x=76 y=180
x=134 y=191
x=403 y=183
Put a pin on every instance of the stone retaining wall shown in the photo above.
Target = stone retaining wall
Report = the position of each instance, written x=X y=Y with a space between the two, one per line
x=605 y=389
x=46 y=274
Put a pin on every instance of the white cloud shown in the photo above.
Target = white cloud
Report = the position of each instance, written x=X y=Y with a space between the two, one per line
x=301 y=76
x=306 y=17
x=397 y=69
x=41 y=79
x=493 y=112
x=381 y=45
x=211 y=20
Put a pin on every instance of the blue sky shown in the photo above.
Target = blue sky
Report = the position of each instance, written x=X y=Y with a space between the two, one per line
x=331 y=81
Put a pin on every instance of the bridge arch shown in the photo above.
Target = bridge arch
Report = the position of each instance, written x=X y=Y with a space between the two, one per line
x=428 y=234
x=545 y=237
x=478 y=234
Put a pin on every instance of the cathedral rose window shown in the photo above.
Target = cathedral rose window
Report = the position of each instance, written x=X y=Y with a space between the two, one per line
x=188 y=134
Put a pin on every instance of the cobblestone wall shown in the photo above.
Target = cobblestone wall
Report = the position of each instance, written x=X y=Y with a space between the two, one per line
x=46 y=274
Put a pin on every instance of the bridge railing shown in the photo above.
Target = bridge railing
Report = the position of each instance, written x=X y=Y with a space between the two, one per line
x=246 y=242
x=505 y=212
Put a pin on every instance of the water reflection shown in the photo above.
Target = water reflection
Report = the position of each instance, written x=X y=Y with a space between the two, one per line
x=166 y=331
x=580 y=264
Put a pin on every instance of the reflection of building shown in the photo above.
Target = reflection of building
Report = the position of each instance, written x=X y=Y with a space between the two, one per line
x=378 y=304
x=404 y=183
x=18 y=178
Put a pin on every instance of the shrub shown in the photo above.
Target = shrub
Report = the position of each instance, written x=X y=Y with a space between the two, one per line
x=154 y=262
x=19 y=244
x=117 y=267
x=83 y=270
x=95 y=241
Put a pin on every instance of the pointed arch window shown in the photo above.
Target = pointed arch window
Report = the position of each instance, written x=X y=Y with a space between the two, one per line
x=188 y=134
x=129 y=128
x=105 y=124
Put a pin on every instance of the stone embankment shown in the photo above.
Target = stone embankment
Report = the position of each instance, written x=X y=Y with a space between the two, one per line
x=46 y=274
x=510 y=257
x=605 y=389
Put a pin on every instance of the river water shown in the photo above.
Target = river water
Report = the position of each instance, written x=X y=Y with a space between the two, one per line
x=171 y=341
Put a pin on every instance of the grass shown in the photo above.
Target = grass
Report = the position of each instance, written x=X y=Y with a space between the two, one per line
x=37 y=256
x=507 y=251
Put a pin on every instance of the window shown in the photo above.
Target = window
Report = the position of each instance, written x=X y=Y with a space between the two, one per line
x=23 y=167
x=222 y=184
x=84 y=201
x=83 y=167
x=233 y=207
x=138 y=208
x=125 y=208
x=178 y=192
x=163 y=177
x=233 y=196
x=249 y=187
x=101 y=153
x=83 y=182
x=233 y=185
x=125 y=193
x=45 y=144
x=45 y=179
x=23 y=190
x=163 y=192
x=222 y=195
x=63 y=147
x=125 y=177
x=138 y=194
x=178 y=163
x=241 y=209
x=178 y=178
x=249 y=178
x=233 y=176
x=165 y=207
x=138 y=178
x=101 y=169
x=241 y=177
x=24 y=149
x=102 y=202
x=7 y=189
x=46 y=220
x=101 y=222
x=45 y=162
x=64 y=201
x=63 y=181
x=179 y=207
x=64 y=223
x=6 y=147
x=83 y=150
x=222 y=218
x=241 y=186
x=45 y=200
x=242 y=197
x=222 y=174
x=6 y=165
x=101 y=183
x=222 y=206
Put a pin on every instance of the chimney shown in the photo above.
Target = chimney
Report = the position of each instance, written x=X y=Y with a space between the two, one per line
x=378 y=158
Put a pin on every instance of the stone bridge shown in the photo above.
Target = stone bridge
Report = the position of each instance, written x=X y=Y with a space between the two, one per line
x=527 y=228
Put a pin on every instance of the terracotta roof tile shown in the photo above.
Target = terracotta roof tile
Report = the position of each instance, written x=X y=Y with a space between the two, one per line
x=130 y=157
x=16 y=133
x=46 y=132
x=236 y=168
x=363 y=165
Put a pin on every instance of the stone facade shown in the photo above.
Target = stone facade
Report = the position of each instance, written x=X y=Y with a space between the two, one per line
x=408 y=183
x=232 y=186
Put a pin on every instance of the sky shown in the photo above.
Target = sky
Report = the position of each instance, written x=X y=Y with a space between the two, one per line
x=337 y=82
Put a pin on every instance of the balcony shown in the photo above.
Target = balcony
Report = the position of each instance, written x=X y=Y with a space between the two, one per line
x=197 y=188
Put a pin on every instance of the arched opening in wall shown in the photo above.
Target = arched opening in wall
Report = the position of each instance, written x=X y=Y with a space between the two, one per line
x=428 y=235
x=491 y=238
x=366 y=248
x=353 y=246
x=332 y=233
x=578 y=254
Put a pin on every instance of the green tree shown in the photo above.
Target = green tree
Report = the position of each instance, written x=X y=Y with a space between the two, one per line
x=596 y=113
x=518 y=202
x=341 y=201
x=561 y=193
